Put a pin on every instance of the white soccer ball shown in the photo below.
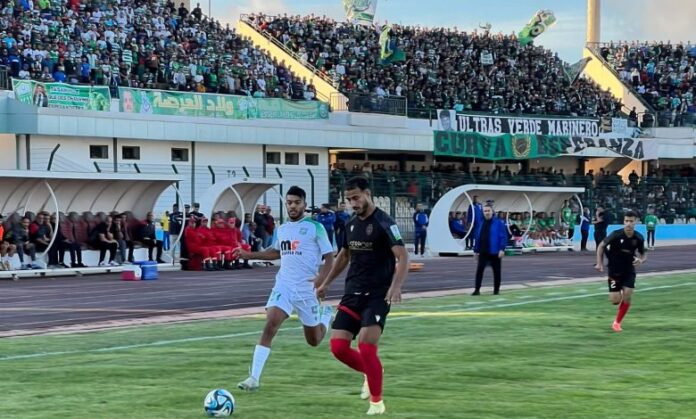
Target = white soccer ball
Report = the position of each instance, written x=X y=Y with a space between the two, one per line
x=219 y=402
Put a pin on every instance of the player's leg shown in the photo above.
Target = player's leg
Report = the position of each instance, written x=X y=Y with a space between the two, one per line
x=626 y=295
x=315 y=318
x=614 y=290
x=278 y=309
x=373 y=321
x=345 y=326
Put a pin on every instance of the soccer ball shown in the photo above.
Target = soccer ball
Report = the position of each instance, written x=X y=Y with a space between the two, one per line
x=219 y=402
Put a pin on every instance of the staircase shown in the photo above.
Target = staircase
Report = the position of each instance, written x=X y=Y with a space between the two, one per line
x=601 y=73
x=326 y=92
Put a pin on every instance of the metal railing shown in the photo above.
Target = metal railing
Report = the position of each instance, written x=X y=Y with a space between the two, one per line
x=4 y=78
x=245 y=18
x=372 y=103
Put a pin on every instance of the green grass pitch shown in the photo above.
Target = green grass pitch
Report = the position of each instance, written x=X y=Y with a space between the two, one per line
x=535 y=353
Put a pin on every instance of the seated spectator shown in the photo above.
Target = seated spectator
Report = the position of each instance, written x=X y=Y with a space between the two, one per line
x=21 y=239
x=103 y=240
x=149 y=238
x=68 y=242
x=7 y=249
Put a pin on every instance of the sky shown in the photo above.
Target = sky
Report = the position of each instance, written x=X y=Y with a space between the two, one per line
x=621 y=19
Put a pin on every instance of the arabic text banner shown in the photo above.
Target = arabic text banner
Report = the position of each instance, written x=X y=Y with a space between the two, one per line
x=61 y=95
x=523 y=147
x=159 y=102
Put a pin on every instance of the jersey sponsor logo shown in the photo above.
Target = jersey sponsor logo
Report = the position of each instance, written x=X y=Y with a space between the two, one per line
x=395 y=232
x=288 y=247
x=360 y=245
x=369 y=229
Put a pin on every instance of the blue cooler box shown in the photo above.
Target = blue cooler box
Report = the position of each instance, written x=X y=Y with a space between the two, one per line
x=149 y=270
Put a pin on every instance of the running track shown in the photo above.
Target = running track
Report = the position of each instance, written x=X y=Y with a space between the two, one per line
x=40 y=304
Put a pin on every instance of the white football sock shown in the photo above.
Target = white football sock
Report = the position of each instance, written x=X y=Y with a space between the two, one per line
x=261 y=354
x=326 y=317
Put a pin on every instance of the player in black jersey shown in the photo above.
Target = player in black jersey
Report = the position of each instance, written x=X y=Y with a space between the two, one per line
x=378 y=269
x=621 y=247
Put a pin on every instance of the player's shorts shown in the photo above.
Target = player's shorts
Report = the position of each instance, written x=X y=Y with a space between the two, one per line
x=616 y=281
x=356 y=311
x=305 y=304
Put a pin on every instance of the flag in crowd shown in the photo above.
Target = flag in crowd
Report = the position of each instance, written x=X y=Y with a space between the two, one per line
x=542 y=20
x=360 y=12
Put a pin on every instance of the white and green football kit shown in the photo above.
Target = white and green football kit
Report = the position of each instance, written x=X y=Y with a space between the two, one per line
x=301 y=245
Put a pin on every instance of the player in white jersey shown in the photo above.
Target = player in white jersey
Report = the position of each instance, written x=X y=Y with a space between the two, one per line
x=300 y=244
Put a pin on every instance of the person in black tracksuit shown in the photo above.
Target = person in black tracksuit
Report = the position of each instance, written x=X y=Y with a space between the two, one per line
x=600 y=226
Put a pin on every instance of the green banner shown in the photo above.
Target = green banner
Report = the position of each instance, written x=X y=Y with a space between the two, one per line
x=61 y=95
x=523 y=147
x=159 y=102
x=500 y=147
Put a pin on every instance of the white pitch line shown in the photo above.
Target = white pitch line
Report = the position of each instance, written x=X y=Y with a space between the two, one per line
x=236 y=335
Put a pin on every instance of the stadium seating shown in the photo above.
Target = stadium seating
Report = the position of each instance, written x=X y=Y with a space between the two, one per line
x=444 y=68
x=147 y=44
x=662 y=73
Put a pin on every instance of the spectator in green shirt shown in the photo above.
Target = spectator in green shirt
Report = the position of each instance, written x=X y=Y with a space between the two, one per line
x=651 y=224
x=568 y=219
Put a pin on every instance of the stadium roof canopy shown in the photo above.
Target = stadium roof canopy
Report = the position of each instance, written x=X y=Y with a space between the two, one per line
x=239 y=195
x=34 y=191
x=505 y=198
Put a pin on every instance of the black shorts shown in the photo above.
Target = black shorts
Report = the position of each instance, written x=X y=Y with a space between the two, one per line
x=356 y=311
x=617 y=281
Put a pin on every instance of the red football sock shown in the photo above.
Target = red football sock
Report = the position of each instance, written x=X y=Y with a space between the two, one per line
x=341 y=349
x=373 y=370
x=623 y=309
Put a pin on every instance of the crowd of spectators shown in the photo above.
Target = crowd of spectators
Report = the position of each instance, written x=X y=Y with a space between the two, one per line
x=137 y=43
x=664 y=74
x=115 y=235
x=445 y=68
x=671 y=192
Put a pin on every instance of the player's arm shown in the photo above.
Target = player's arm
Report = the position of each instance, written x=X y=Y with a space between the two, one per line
x=327 y=252
x=324 y=269
x=401 y=255
x=339 y=265
x=637 y=261
x=600 y=256
x=268 y=254
x=600 y=249
x=272 y=253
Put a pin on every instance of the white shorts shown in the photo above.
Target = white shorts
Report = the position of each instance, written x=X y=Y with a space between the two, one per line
x=306 y=305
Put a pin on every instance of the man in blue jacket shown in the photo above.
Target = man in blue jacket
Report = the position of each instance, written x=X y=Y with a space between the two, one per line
x=420 y=222
x=342 y=217
x=327 y=218
x=474 y=214
x=489 y=248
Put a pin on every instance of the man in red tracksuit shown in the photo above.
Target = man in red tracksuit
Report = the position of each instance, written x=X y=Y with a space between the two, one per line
x=197 y=244
x=210 y=240
x=224 y=239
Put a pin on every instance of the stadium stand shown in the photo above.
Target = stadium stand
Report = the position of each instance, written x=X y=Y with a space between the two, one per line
x=663 y=74
x=145 y=44
x=444 y=68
